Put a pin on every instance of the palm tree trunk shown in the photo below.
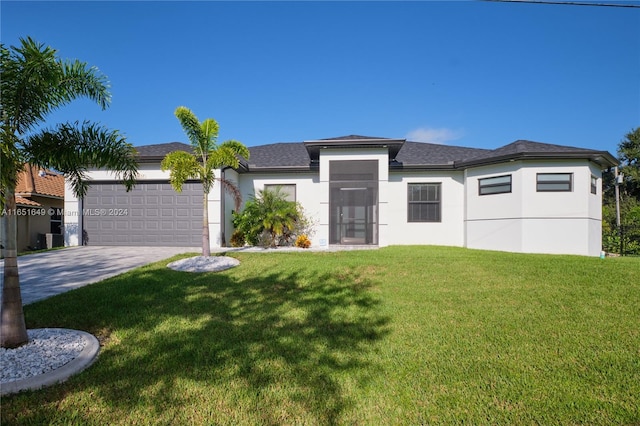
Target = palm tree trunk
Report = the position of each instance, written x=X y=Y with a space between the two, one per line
x=13 y=331
x=206 y=248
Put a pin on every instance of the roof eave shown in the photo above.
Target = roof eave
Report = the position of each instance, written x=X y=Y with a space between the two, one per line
x=602 y=158
x=314 y=146
x=397 y=167
x=282 y=169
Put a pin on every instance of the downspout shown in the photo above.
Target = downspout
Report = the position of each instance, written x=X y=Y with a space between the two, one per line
x=464 y=209
x=223 y=222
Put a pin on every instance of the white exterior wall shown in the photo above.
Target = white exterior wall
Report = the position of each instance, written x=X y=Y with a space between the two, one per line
x=146 y=172
x=535 y=222
x=379 y=154
x=308 y=194
x=521 y=221
x=448 y=232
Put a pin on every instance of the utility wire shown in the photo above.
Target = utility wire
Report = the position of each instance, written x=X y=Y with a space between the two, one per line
x=567 y=3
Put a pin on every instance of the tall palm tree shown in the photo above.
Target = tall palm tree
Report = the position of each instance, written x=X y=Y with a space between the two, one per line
x=34 y=83
x=207 y=156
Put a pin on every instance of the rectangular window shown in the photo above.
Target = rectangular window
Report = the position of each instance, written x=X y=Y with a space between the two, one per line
x=288 y=190
x=594 y=185
x=56 y=223
x=554 y=182
x=494 y=185
x=424 y=202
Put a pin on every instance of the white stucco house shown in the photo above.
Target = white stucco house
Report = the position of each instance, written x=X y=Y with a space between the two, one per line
x=525 y=197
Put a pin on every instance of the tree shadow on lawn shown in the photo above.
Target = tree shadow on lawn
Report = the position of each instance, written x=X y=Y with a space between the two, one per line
x=278 y=348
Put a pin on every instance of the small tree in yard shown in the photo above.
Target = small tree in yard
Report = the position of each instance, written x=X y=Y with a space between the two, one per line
x=268 y=219
x=626 y=238
x=35 y=82
x=207 y=156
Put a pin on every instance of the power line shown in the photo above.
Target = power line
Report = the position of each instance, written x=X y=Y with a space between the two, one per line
x=567 y=3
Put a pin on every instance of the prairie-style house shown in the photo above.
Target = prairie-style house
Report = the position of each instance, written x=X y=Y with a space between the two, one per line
x=525 y=197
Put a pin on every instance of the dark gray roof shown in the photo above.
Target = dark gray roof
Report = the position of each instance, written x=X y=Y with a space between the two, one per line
x=278 y=155
x=424 y=154
x=351 y=138
x=295 y=156
x=158 y=151
x=523 y=149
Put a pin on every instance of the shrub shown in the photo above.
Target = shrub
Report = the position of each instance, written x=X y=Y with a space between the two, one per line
x=237 y=239
x=269 y=220
x=303 y=242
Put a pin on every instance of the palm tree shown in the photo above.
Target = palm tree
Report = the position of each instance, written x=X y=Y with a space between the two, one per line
x=207 y=156
x=34 y=83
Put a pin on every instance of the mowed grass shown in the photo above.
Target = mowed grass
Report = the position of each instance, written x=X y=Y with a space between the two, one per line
x=400 y=335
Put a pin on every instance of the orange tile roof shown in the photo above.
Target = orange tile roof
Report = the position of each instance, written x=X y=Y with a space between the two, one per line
x=21 y=201
x=34 y=180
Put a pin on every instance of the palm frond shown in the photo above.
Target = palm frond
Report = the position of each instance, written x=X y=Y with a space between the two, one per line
x=231 y=189
x=182 y=166
x=35 y=82
x=210 y=130
x=79 y=80
x=191 y=126
x=72 y=148
x=237 y=147
x=11 y=163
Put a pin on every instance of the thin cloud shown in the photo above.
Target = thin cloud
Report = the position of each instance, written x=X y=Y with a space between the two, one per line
x=439 y=136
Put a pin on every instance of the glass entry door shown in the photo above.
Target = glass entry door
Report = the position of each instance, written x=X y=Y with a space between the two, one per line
x=353 y=202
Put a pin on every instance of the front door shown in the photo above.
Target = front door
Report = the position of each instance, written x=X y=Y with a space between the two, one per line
x=351 y=216
x=353 y=202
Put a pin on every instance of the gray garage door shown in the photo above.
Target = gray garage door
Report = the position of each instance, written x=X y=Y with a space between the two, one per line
x=152 y=214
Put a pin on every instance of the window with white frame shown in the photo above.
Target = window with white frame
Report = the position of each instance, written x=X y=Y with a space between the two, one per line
x=554 y=182
x=424 y=202
x=594 y=185
x=288 y=190
x=494 y=185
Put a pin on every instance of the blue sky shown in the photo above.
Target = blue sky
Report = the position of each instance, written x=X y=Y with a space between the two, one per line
x=468 y=73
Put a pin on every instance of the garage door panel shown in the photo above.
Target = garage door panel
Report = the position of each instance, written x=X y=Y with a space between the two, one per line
x=154 y=214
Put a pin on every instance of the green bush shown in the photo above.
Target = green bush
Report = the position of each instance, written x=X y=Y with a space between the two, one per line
x=269 y=220
x=237 y=239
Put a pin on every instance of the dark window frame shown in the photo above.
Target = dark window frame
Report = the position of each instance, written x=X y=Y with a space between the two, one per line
x=56 y=221
x=540 y=185
x=411 y=202
x=483 y=185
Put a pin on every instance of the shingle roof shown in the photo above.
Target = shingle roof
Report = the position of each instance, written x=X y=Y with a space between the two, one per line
x=158 y=151
x=530 y=149
x=33 y=180
x=296 y=155
x=284 y=154
x=351 y=138
x=423 y=154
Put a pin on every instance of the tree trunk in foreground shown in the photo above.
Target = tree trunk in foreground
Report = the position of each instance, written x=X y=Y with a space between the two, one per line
x=13 y=331
x=206 y=247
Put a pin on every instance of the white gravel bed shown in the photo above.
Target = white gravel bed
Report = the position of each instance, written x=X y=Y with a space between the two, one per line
x=204 y=264
x=47 y=350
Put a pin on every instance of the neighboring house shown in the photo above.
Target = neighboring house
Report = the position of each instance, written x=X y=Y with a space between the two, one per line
x=523 y=197
x=39 y=204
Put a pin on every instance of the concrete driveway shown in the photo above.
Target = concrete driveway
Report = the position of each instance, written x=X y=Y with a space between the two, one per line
x=49 y=273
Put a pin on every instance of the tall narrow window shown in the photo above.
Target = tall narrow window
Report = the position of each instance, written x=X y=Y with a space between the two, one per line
x=424 y=202
x=554 y=182
x=494 y=185
x=594 y=185
x=56 y=222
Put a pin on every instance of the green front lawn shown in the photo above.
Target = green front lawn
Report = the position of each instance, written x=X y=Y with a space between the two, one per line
x=400 y=335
